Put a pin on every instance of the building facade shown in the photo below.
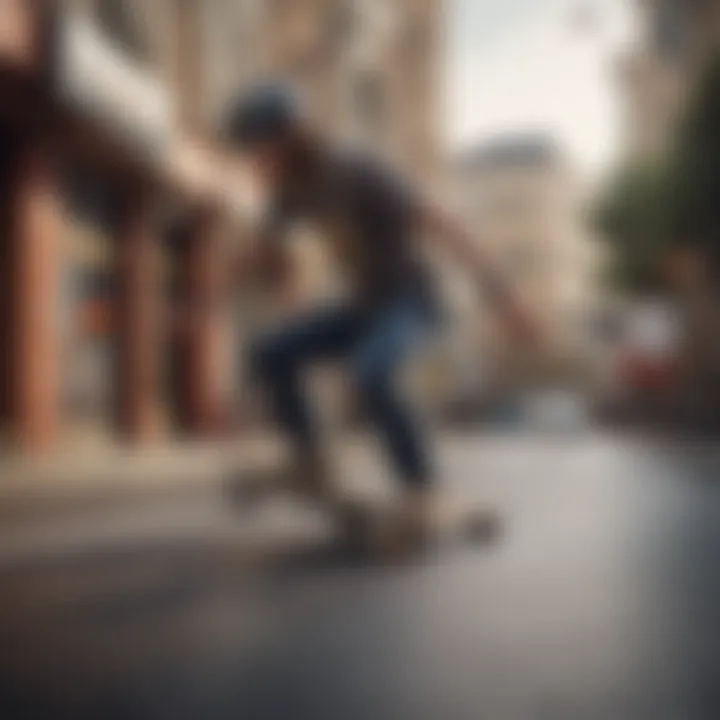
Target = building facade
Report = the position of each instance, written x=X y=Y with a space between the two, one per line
x=125 y=97
x=675 y=39
x=102 y=153
x=526 y=205
x=369 y=71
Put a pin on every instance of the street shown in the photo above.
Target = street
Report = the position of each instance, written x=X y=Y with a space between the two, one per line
x=600 y=601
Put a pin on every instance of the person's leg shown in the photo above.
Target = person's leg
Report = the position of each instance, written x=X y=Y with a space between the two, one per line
x=278 y=359
x=385 y=345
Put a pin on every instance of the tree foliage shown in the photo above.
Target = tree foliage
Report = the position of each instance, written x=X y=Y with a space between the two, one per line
x=633 y=217
x=654 y=206
x=695 y=165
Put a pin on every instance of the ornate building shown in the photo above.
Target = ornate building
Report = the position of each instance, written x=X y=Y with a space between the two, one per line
x=526 y=204
x=369 y=69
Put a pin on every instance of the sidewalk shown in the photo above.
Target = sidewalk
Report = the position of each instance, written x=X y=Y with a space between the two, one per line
x=112 y=473
x=112 y=502
x=115 y=473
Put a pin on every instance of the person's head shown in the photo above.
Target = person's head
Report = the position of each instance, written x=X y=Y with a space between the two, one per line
x=266 y=125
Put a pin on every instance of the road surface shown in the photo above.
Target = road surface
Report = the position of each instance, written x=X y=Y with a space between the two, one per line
x=601 y=602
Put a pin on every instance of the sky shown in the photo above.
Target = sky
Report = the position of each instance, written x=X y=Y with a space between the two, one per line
x=519 y=66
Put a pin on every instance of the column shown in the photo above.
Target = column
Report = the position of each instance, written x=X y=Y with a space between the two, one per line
x=139 y=321
x=7 y=267
x=207 y=330
x=35 y=225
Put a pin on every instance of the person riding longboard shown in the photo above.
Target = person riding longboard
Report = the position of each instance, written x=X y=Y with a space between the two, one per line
x=374 y=224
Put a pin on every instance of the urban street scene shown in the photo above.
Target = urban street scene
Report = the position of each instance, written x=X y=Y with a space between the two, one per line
x=360 y=358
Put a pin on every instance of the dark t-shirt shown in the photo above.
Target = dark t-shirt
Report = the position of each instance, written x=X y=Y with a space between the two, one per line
x=369 y=220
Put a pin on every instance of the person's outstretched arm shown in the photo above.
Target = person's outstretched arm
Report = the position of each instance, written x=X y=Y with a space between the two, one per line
x=452 y=236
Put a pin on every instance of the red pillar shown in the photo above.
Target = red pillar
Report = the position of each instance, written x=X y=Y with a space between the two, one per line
x=204 y=381
x=36 y=220
x=7 y=268
x=139 y=325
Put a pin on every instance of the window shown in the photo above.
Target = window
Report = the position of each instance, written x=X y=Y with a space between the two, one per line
x=99 y=284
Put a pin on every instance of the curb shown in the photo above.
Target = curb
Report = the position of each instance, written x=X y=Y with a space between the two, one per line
x=119 y=474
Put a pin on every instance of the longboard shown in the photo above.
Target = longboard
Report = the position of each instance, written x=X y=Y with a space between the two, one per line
x=368 y=527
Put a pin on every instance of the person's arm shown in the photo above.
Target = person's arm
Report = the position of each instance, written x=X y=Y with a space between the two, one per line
x=453 y=237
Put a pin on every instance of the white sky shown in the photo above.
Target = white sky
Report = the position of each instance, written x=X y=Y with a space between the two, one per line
x=526 y=66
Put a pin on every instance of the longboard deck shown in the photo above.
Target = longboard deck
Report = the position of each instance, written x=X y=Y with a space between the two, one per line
x=362 y=525
x=370 y=529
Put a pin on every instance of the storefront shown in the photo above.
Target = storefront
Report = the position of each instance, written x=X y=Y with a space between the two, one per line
x=120 y=121
x=84 y=189
x=88 y=299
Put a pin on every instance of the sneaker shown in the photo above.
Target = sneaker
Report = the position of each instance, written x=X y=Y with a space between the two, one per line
x=408 y=529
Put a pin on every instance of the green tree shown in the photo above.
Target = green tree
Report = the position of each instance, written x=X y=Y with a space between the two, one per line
x=633 y=216
x=653 y=207
x=694 y=163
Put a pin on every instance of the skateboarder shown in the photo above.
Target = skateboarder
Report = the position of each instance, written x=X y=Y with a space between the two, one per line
x=374 y=225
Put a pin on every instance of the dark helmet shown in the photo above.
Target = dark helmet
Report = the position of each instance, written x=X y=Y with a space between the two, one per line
x=263 y=113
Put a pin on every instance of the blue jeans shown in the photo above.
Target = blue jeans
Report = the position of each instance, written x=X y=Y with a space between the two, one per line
x=375 y=344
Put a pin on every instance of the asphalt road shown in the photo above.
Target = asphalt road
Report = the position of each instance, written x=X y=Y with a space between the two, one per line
x=601 y=601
